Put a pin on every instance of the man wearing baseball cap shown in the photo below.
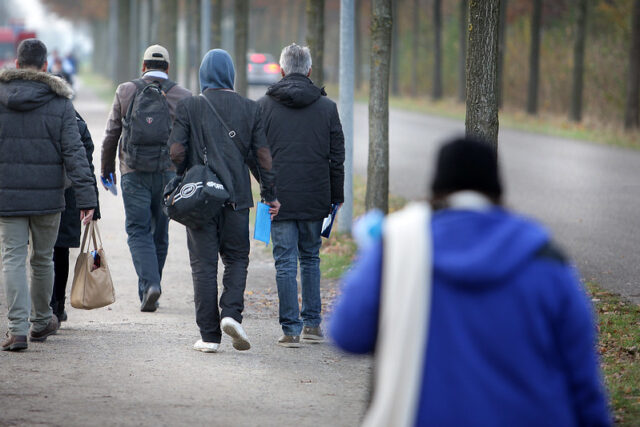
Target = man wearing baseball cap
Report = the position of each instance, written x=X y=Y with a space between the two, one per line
x=147 y=107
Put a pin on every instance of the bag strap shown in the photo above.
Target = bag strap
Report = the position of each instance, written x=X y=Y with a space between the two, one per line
x=85 y=233
x=96 y=232
x=231 y=133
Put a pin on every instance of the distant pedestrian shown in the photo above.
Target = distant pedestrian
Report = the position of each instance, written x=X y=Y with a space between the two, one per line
x=147 y=106
x=307 y=144
x=475 y=316
x=39 y=145
x=69 y=231
x=228 y=233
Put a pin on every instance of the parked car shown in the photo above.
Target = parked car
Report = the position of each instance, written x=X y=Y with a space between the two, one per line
x=262 y=69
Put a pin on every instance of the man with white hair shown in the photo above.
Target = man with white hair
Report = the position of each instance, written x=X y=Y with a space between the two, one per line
x=307 y=145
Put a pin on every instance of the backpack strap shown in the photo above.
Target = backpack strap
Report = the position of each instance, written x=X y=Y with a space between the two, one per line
x=167 y=85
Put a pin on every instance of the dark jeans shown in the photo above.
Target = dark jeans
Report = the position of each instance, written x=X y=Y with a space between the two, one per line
x=60 y=274
x=227 y=234
x=147 y=226
x=293 y=240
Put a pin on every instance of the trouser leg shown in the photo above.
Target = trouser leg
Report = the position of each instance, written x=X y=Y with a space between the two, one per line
x=44 y=231
x=137 y=195
x=159 y=220
x=284 y=235
x=234 y=251
x=14 y=240
x=309 y=242
x=60 y=273
x=203 y=244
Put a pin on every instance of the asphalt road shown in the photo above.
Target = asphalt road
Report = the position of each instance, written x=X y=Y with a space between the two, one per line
x=587 y=194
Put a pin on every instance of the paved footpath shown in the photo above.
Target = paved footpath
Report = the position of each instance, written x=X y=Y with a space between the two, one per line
x=118 y=366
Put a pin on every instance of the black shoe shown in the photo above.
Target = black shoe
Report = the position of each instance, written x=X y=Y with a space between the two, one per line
x=50 y=329
x=58 y=310
x=14 y=342
x=150 y=298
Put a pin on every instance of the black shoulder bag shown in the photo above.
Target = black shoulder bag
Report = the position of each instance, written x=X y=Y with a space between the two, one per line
x=197 y=196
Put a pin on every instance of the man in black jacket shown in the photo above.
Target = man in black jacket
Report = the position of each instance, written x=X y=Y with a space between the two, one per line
x=39 y=145
x=307 y=145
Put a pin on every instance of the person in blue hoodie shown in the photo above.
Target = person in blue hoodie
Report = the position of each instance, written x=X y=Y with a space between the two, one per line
x=509 y=336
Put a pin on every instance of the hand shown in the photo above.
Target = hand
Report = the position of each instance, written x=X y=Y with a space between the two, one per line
x=86 y=215
x=274 y=208
x=108 y=176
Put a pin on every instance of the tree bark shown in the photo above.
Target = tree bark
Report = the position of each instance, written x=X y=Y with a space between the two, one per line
x=501 y=49
x=241 y=45
x=534 y=58
x=575 y=114
x=359 y=75
x=395 y=51
x=377 y=194
x=167 y=29
x=216 y=24
x=315 y=39
x=632 y=109
x=462 y=61
x=124 y=57
x=482 y=62
x=415 y=47
x=193 y=37
x=437 y=50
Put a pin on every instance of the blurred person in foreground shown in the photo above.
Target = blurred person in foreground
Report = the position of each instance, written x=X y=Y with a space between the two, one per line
x=227 y=233
x=307 y=144
x=138 y=130
x=39 y=146
x=475 y=317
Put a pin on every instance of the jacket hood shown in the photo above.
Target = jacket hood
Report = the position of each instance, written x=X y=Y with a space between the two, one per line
x=24 y=89
x=217 y=71
x=481 y=249
x=295 y=91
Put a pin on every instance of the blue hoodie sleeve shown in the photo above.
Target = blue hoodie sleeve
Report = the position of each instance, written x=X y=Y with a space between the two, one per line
x=354 y=323
x=576 y=337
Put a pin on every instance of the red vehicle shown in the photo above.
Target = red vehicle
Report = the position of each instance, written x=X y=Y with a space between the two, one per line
x=7 y=47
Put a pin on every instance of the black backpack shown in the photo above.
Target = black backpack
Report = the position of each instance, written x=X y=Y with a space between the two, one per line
x=146 y=127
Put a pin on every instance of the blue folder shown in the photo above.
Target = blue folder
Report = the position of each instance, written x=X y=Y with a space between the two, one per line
x=262 y=229
x=327 y=224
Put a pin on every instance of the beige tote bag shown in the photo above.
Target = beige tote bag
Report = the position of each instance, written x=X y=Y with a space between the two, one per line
x=92 y=286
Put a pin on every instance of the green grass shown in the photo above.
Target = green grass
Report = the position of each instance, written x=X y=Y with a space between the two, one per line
x=103 y=87
x=619 y=346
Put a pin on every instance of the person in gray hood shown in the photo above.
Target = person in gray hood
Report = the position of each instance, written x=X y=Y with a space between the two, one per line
x=39 y=145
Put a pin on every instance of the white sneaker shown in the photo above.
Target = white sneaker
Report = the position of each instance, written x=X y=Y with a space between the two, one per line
x=206 y=347
x=235 y=331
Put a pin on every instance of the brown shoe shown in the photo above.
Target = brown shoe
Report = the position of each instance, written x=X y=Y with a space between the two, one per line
x=312 y=334
x=290 y=341
x=14 y=342
x=50 y=329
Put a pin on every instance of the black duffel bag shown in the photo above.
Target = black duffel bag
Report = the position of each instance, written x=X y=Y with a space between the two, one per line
x=195 y=197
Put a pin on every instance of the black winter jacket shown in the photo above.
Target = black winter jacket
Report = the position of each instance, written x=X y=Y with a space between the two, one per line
x=194 y=119
x=70 y=229
x=39 y=142
x=307 y=145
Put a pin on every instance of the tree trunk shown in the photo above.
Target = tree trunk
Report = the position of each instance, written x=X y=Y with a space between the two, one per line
x=501 y=49
x=415 y=47
x=315 y=39
x=575 y=114
x=462 y=61
x=482 y=62
x=359 y=75
x=395 y=51
x=241 y=45
x=632 y=115
x=124 y=56
x=437 y=50
x=167 y=30
x=534 y=58
x=216 y=24
x=377 y=195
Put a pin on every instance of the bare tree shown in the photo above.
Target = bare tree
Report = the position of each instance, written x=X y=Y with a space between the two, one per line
x=315 y=38
x=575 y=114
x=462 y=61
x=482 y=63
x=632 y=115
x=415 y=46
x=395 y=51
x=437 y=50
x=377 y=195
x=501 y=49
x=167 y=28
x=216 y=24
x=124 y=57
x=241 y=45
x=534 y=58
x=358 y=46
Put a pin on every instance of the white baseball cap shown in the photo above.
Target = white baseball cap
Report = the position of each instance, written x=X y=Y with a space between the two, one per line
x=156 y=53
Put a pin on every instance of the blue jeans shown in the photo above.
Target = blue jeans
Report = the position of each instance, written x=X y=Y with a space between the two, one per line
x=147 y=226
x=292 y=241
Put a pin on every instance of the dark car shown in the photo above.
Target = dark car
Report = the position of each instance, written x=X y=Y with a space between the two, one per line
x=262 y=69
